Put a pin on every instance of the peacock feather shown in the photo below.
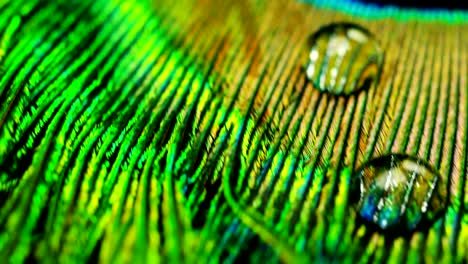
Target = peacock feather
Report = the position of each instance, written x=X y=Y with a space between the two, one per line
x=193 y=132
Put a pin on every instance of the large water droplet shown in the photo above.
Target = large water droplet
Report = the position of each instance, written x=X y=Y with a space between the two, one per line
x=398 y=193
x=343 y=58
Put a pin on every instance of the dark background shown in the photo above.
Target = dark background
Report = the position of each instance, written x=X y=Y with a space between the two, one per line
x=447 y=4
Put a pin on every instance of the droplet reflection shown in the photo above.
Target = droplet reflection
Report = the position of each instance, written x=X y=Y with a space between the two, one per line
x=398 y=192
x=343 y=58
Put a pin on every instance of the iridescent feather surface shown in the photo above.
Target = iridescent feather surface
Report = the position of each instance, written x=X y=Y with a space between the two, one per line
x=232 y=131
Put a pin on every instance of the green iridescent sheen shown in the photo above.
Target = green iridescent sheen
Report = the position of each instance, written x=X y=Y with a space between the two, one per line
x=369 y=11
x=127 y=135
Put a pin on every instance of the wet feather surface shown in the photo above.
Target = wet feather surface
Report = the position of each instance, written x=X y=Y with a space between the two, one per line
x=154 y=132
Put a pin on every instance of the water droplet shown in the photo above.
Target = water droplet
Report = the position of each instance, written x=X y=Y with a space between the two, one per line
x=398 y=193
x=343 y=58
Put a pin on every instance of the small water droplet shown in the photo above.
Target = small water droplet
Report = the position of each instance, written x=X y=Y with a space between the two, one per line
x=398 y=193
x=343 y=58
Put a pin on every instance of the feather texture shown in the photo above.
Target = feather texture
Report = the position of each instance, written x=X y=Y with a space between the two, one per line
x=161 y=131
